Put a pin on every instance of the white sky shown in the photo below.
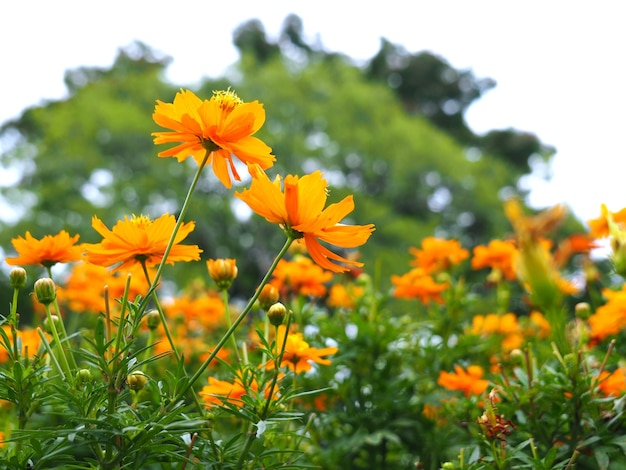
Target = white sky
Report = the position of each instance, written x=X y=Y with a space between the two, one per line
x=559 y=65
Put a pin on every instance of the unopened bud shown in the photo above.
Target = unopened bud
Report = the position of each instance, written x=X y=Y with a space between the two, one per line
x=17 y=278
x=83 y=376
x=45 y=290
x=269 y=296
x=137 y=380
x=153 y=319
x=47 y=327
x=582 y=310
x=276 y=314
x=222 y=271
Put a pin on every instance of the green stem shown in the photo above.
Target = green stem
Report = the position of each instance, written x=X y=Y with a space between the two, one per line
x=59 y=347
x=179 y=222
x=235 y=324
x=229 y=323
x=159 y=309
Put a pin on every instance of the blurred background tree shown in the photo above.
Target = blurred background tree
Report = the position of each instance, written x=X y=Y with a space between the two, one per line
x=391 y=132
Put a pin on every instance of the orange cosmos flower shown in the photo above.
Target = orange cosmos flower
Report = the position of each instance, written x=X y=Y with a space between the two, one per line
x=438 y=254
x=220 y=391
x=499 y=255
x=599 y=228
x=344 y=295
x=140 y=240
x=29 y=339
x=222 y=126
x=51 y=249
x=612 y=383
x=298 y=355
x=416 y=284
x=299 y=209
x=469 y=381
x=300 y=277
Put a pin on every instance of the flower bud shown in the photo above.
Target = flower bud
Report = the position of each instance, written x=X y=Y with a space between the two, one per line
x=45 y=290
x=47 y=327
x=153 y=319
x=136 y=380
x=582 y=310
x=17 y=278
x=277 y=313
x=222 y=271
x=83 y=376
x=269 y=296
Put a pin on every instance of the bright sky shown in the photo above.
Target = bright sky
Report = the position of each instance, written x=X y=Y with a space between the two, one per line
x=559 y=65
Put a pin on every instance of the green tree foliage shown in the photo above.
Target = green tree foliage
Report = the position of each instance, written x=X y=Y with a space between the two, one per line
x=92 y=153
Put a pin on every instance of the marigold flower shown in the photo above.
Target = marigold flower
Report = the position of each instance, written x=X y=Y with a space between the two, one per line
x=222 y=126
x=51 y=249
x=299 y=209
x=140 y=240
x=300 y=277
x=499 y=255
x=469 y=381
x=298 y=355
x=438 y=254
x=416 y=284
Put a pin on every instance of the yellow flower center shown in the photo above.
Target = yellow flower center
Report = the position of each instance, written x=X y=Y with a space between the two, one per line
x=141 y=221
x=227 y=100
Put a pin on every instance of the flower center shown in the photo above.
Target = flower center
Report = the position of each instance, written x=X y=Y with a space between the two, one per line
x=141 y=221
x=226 y=100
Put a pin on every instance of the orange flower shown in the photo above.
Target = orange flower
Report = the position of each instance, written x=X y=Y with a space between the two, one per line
x=220 y=391
x=344 y=296
x=84 y=288
x=417 y=284
x=470 y=382
x=499 y=255
x=298 y=355
x=299 y=209
x=609 y=319
x=599 y=228
x=222 y=126
x=612 y=383
x=203 y=312
x=438 y=254
x=29 y=339
x=300 y=277
x=139 y=240
x=51 y=249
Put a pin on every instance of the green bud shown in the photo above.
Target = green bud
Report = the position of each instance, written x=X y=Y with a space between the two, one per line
x=17 y=278
x=45 y=290
x=83 y=376
x=47 y=327
x=277 y=313
x=153 y=319
x=137 y=380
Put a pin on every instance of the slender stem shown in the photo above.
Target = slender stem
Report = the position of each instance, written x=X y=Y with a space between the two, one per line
x=235 y=324
x=60 y=351
x=229 y=323
x=159 y=309
x=179 y=222
x=278 y=361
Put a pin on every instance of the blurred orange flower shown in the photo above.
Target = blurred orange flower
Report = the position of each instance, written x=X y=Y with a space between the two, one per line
x=299 y=209
x=140 y=240
x=469 y=381
x=51 y=249
x=612 y=383
x=203 y=312
x=298 y=355
x=499 y=255
x=417 y=284
x=219 y=391
x=223 y=126
x=599 y=228
x=344 y=295
x=29 y=339
x=438 y=254
x=609 y=319
x=300 y=277
x=84 y=289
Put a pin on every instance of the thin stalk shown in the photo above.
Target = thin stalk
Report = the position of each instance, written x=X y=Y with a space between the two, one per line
x=179 y=222
x=60 y=351
x=229 y=323
x=235 y=324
